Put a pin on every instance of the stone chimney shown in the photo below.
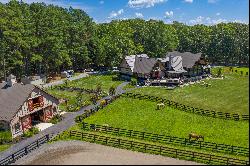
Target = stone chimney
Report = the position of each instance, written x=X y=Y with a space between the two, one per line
x=11 y=80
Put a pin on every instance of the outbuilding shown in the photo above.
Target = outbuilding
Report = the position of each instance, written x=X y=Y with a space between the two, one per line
x=23 y=106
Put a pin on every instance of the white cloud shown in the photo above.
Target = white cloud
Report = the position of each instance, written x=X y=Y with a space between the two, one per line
x=217 y=14
x=188 y=1
x=101 y=2
x=212 y=1
x=144 y=3
x=139 y=15
x=207 y=20
x=114 y=14
x=169 y=15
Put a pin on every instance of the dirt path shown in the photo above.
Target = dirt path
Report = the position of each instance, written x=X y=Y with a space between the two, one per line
x=83 y=153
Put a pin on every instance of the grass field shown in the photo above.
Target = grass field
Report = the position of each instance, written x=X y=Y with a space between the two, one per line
x=4 y=147
x=228 y=95
x=92 y=81
x=141 y=115
x=70 y=96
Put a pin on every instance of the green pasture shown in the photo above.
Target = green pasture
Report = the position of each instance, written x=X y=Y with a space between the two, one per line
x=70 y=96
x=92 y=81
x=142 y=115
x=230 y=94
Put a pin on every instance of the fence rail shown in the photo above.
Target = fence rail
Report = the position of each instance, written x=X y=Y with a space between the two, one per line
x=166 y=139
x=155 y=149
x=26 y=150
x=182 y=107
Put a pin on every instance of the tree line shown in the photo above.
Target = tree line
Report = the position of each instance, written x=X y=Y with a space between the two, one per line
x=38 y=38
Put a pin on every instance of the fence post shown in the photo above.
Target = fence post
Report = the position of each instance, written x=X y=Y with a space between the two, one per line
x=106 y=140
x=227 y=161
x=26 y=150
x=70 y=133
x=47 y=137
x=131 y=144
x=37 y=143
x=145 y=147
x=200 y=144
x=232 y=148
x=82 y=135
x=94 y=138
x=160 y=149
x=185 y=141
x=119 y=141
x=176 y=153
x=13 y=157
x=143 y=135
x=210 y=158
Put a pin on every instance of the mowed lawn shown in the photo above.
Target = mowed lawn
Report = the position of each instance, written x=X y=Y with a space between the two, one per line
x=228 y=95
x=92 y=81
x=70 y=96
x=142 y=115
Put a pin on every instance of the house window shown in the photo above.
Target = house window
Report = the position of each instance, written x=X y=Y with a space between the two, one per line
x=17 y=128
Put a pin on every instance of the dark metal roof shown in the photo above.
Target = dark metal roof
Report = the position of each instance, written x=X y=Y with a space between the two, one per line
x=188 y=59
x=144 y=65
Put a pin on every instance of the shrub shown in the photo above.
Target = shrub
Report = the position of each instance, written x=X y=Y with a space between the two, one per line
x=133 y=82
x=31 y=132
x=57 y=118
x=5 y=137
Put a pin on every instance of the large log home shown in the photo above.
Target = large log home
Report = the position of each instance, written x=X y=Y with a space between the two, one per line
x=22 y=106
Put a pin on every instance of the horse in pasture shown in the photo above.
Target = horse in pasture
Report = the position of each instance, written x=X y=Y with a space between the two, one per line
x=160 y=106
x=196 y=136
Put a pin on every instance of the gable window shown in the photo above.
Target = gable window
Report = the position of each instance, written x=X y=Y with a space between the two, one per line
x=35 y=103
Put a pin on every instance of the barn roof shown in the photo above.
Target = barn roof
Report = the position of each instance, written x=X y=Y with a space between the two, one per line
x=12 y=98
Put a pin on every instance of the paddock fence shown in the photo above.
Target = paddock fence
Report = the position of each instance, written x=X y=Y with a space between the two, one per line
x=167 y=139
x=190 y=109
x=26 y=150
x=152 y=148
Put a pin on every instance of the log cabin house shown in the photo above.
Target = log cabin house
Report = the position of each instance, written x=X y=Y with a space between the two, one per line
x=22 y=106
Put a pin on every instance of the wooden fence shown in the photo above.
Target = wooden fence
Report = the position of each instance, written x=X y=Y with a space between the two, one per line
x=166 y=139
x=24 y=151
x=155 y=149
x=182 y=107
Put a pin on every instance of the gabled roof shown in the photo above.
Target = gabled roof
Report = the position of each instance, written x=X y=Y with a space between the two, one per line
x=131 y=60
x=188 y=59
x=12 y=98
x=144 y=65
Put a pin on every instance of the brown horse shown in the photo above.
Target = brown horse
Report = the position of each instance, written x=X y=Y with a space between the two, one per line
x=196 y=136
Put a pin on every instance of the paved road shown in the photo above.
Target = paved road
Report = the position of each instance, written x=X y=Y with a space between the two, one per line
x=62 y=81
x=67 y=122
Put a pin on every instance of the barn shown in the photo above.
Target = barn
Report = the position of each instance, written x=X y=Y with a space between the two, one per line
x=23 y=106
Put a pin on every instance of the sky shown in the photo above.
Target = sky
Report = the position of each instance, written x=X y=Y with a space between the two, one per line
x=190 y=12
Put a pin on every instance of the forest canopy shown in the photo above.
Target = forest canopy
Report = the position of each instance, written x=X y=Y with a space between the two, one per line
x=39 y=38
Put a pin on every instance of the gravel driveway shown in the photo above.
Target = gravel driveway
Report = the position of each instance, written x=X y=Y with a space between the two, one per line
x=84 y=153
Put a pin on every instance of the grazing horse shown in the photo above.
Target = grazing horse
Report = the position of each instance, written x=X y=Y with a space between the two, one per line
x=160 y=106
x=196 y=136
